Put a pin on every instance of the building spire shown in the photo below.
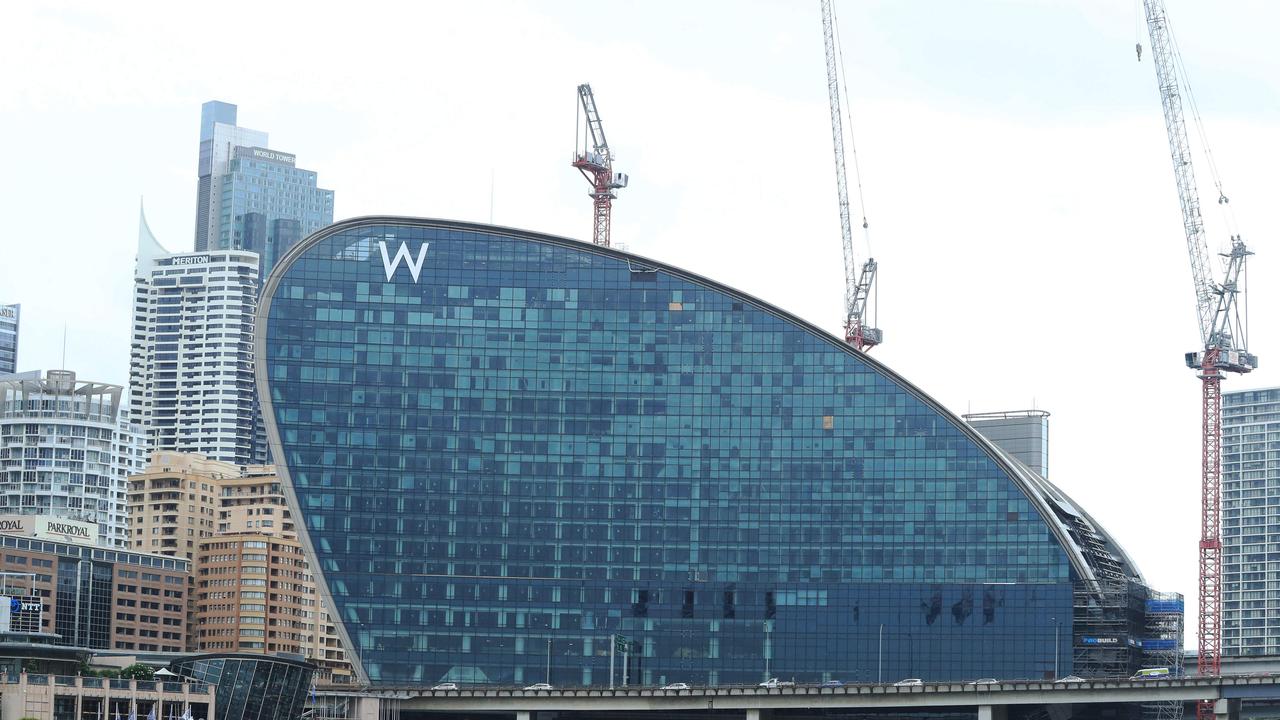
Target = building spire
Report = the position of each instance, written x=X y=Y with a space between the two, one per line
x=149 y=249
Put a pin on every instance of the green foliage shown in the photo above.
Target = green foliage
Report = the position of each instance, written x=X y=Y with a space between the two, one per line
x=137 y=671
x=88 y=670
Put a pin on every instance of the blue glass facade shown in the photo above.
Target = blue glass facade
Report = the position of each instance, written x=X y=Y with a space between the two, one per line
x=268 y=204
x=507 y=448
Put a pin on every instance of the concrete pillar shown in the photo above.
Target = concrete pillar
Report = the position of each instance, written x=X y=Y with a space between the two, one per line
x=759 y=714
x=993 y=712
x=1226 y=709
x=524 y=715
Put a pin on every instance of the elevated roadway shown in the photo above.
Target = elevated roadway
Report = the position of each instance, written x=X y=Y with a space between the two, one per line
x=987 y=702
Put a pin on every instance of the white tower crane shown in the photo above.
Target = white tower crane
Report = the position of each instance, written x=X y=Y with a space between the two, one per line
x=857 y=284
x=1223 y=335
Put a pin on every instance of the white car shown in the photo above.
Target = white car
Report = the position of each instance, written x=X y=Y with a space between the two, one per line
x=1070 y=679
x=540 y=686
x=445 y=686
x=776 y=683
x=909 y=682
x=985 y=681
x=676 y=686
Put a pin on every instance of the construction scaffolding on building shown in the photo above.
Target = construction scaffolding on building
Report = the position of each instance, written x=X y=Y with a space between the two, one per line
x=1108 y=621
x=1162 y=648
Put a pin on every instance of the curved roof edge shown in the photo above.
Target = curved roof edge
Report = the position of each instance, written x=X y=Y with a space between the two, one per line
x=1077 y=521
x=1027 y=481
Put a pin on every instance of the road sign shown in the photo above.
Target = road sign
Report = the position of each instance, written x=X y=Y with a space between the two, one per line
x=621 y=643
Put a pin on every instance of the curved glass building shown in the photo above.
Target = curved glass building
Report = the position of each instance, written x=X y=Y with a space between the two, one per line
x=517 y=456
x=251 y=686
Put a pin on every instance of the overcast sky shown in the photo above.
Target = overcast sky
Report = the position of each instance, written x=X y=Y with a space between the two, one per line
x=1015 y=162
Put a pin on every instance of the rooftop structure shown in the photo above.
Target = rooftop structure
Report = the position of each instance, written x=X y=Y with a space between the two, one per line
x=1021 y=433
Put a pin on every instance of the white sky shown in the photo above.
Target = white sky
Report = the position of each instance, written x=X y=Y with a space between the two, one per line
x=1013 y=151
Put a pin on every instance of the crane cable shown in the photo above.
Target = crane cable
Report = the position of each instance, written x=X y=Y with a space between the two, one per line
x=1137 y=34
x=1224 y=203
x=853 y=145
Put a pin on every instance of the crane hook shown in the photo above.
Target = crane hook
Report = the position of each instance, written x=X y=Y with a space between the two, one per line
x=1138 y=47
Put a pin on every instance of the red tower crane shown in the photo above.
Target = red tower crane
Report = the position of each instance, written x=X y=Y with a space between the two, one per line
x=1223 y=334
x=595 y=161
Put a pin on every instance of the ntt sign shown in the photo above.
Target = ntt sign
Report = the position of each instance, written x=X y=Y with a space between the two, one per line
x=50 y=528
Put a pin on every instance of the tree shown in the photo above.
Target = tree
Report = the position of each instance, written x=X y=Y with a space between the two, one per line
x=137 y=671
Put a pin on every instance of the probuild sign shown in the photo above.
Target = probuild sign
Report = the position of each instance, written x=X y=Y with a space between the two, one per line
x=49 y=528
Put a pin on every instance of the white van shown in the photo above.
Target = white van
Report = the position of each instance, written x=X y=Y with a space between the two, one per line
x=1150 y=673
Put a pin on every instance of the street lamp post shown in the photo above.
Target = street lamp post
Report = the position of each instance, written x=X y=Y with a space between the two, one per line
x=768 y=647
x=1056 y=639
x=880 y=657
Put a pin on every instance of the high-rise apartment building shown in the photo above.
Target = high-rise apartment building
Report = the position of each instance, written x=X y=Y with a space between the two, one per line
x=173 y=503
x=1250 y=522
x=9 y=317
x=250 y=197
x=252 y=588
x=191 y=358
x=64 y=451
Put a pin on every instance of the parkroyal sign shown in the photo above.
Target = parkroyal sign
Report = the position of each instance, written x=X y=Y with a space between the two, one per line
x=50 y=528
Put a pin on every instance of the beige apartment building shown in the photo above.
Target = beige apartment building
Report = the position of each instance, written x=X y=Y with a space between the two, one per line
x=252 y=589
x=173 y=502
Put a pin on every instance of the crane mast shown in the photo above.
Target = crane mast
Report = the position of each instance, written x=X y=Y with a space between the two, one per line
x=1223 y=337
x=595 y=161
x=857 y=284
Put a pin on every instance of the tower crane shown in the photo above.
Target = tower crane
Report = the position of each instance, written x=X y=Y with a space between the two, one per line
x=1223 y=335
x=857 y=284
x=595 y=161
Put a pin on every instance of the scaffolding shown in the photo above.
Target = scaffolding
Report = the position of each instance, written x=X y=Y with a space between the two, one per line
x=1107 y=617
x=1162 y=647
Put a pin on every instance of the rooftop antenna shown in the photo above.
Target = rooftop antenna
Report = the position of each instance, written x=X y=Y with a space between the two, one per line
x=64 y=346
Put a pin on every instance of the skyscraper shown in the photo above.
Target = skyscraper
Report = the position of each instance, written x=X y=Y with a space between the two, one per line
x=191 y=357
x=9 y=316
x=219 y=134
x=250 y=197
x=1250 y=539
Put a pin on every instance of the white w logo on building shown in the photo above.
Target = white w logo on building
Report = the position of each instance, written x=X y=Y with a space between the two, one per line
x=392 y=264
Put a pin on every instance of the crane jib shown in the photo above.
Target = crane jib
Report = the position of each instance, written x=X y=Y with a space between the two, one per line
x=857 y=283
